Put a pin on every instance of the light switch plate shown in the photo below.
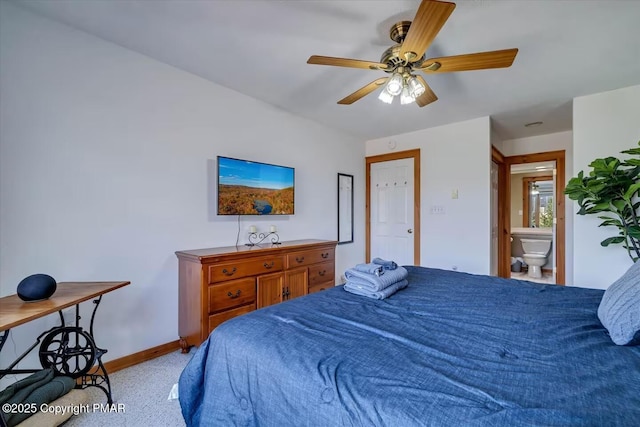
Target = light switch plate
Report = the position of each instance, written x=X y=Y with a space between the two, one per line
x=437 y=210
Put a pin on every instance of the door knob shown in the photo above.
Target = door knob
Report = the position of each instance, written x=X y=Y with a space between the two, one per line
x=410 y=231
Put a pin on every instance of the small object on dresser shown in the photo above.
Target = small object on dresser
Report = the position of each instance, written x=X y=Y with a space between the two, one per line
x=257 y=238
x=36 y=287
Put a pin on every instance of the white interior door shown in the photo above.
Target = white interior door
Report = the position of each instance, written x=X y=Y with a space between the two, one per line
x=392 y=219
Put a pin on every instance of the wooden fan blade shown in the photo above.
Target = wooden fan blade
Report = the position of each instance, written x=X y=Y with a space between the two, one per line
x=471 y=61
x=430 y=18
x=363 y=91
x=428 y=96
x=345 y=62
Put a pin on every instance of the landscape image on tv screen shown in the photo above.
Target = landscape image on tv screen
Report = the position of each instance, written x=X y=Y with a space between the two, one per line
x=253 y=188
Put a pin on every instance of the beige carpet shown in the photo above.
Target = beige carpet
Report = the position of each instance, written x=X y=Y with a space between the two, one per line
x=142 y=390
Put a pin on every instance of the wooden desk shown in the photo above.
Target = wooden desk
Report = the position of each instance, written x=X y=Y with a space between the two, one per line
x=68 y=350
x=16 y=311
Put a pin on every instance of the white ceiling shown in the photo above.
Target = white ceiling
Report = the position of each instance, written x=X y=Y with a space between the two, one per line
x=260 y=48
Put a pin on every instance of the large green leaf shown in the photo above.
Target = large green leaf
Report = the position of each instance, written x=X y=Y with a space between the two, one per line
x=619 y=205
x=634 y=231
x=609 y=222
x=631 y=191
x=603 y=166
x=600 y=207
x=596 y=186
x=633 y=151
x=612 y=240
x=612 y=165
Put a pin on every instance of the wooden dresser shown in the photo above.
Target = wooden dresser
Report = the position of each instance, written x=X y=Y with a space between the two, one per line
x=217 y=284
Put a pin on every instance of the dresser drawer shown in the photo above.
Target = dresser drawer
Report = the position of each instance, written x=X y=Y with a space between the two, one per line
x=320 y=287
x=312 y=256
x=232 y=294
x=320 y=273
x=216 y=319
x=221 y=272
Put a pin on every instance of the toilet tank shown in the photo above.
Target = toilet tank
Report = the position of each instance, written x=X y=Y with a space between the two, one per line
x=536 y=246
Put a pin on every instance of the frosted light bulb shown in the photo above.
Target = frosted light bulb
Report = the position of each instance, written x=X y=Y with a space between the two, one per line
x=415 y=87
x=385 y=96
x=394 y=86
x=405 y=97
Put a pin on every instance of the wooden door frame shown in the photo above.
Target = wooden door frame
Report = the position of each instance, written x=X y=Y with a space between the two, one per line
x=504 y=270
x=560 y=237
x=409 y=154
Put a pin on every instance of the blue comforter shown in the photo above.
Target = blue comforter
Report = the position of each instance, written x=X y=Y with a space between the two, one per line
x=452 y=349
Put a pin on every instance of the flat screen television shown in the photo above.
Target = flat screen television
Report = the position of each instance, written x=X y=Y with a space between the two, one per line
x=254 y=188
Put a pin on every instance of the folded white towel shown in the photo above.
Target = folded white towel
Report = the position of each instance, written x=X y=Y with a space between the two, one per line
x=373 y=283
x=370 y=268
x=384 y=293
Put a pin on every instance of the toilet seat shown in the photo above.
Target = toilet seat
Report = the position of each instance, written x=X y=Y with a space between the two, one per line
x=534 y=256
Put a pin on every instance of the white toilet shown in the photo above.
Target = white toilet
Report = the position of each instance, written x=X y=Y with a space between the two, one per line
x=535 y=255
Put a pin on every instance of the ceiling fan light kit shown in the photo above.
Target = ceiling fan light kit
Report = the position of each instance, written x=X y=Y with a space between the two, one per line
x=413 y=38
x=407 y=86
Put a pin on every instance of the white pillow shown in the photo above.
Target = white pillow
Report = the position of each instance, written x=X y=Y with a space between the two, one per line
x=619 y=309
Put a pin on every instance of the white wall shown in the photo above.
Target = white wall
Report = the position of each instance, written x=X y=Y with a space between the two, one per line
x=455 y=156
x=496 y=139
x=603 y=125
x=544 y=143
x=107 y=168
x=540 y=144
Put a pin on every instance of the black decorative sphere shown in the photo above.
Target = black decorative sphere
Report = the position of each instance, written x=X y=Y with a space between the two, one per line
x=36 y=287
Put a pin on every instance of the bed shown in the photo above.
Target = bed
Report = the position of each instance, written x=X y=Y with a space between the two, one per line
x=452 y=349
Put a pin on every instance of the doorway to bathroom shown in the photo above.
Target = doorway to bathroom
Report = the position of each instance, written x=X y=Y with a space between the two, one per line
x=532 y=221
x=531 y=199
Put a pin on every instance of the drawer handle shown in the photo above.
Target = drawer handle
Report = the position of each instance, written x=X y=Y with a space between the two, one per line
x=229 y=273
x=325 y=255
x=299 y=259
x=322 y=273
x=268 y=266
x=285 y=293
x=234 y=296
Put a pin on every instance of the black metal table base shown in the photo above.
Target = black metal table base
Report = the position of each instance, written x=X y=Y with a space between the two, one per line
x=70 y=351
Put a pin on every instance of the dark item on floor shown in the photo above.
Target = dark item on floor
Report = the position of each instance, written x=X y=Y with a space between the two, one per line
x=516 y=267
x=75 y=400
x=31 y=392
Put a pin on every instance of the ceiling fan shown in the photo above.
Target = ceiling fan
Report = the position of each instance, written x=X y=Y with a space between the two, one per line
x=407 y=57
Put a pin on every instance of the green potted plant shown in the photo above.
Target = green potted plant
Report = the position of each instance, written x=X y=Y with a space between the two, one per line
x=610 y=191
